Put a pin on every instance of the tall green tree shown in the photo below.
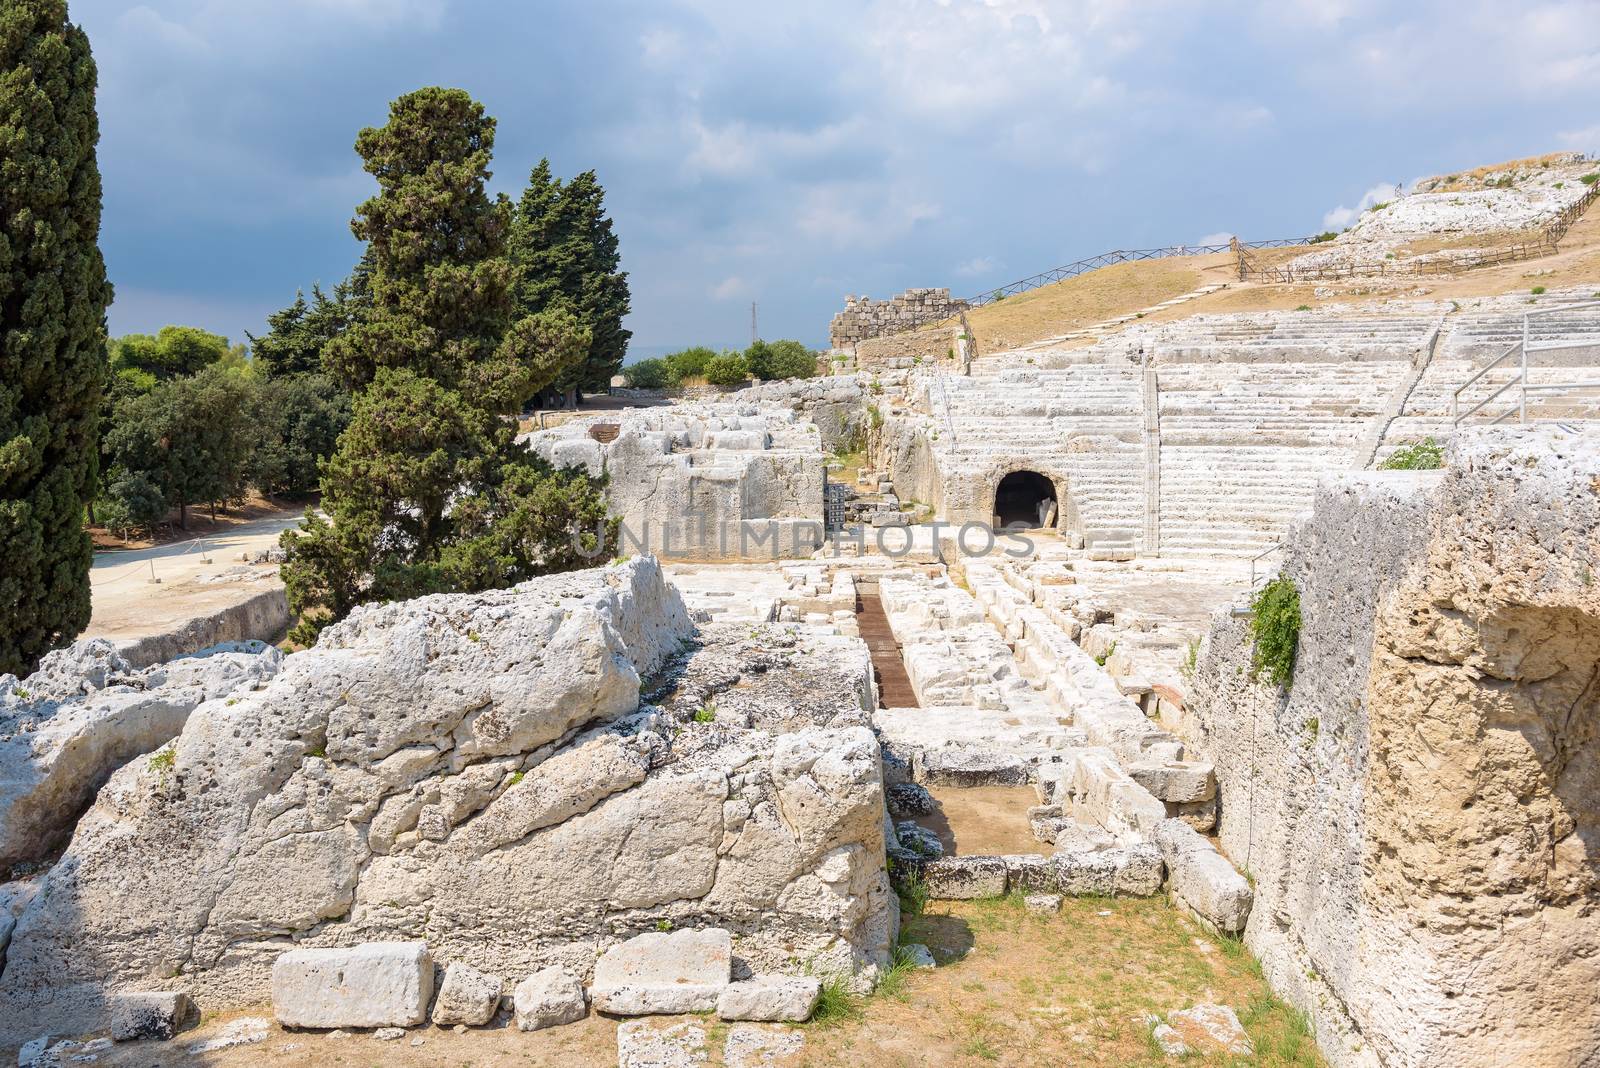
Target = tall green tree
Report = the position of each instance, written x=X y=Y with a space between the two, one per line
x=565 y=251
x=173 y=352
x=192 y=437
x=297 y=336
x=53 y=297
x=427 y=490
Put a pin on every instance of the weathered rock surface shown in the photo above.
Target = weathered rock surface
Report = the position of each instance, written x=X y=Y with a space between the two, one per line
x=549 y=997
x=467 y=996
x=643 y=1044
x=1202 y=879
x=759 y=1047
x=158 y=1015
x=664 y=973
x=965 y=878
x=477 y=772
x=377 y=984
x=87 y=712
x=770 y=999
x=1216 y=1026
x=1415 y=809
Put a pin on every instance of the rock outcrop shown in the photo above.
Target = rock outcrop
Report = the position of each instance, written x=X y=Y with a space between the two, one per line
x=1419 y=810
x=476 y=772
x=87 y=712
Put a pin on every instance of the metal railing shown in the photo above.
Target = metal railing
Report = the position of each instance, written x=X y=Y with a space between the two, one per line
x=1542 y=244
x=1083 y=266
x=1519 y=381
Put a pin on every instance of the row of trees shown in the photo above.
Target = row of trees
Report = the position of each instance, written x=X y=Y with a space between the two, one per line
x=191 y=420
x=764 y=360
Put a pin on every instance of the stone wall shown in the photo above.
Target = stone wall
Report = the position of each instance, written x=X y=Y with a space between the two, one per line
x=703 y=480
x=1418 y=811
x=864 y=317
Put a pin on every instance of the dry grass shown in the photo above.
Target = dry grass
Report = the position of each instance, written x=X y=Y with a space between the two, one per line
x=1012 y=989
x=1459 y=181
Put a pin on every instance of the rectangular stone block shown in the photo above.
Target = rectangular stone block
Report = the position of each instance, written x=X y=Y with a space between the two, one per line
x=1126 y=871
x=1181 y=782
x=965 y=878
x=376 y=984
x=158 y=1015
x=664 y=973
x=1202 y=879
x=1030 y=873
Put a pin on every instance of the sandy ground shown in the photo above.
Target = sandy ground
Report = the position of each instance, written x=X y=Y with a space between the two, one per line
x=1011 y=989
x=984 y=820
x=197 y=577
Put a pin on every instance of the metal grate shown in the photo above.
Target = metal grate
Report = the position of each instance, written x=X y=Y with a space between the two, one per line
x=834 y=498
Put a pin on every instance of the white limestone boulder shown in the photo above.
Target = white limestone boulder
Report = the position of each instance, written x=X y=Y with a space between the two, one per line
x=1202 y=879
x=466 y=996
x=85 y=713
x=664 y=973
x=377 y=984
x=156 y=1014
x=770 y=999
x=550 y=997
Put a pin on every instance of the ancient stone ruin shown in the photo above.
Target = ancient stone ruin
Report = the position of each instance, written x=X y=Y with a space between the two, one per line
x=864 y=317
x=1001 y=637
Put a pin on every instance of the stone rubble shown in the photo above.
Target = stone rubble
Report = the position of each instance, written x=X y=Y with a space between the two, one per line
x=466 y=996
x=550 y=997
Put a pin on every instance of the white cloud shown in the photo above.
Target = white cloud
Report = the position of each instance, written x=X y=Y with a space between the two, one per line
x=1586 y=139
x=1221 y=237
x=978 y=265
x=730 y=287
x=1341 y=217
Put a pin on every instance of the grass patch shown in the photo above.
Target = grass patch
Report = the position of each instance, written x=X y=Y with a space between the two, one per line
x=1537 y=291
x=705 y=714
x=1590 y=179
x=1275 y=624
x=837 y=1004
x=892 y=984
x=1425 y=455
x=164 y=761
x=913 y=893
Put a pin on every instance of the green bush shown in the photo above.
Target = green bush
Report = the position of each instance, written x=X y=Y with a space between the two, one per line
x=1326 y=235
x=729 y=369
x=1425 y=455
x=789 y=359
x=648 y=374
x=1275 y=623
x=690 y=363
x=1590 y=179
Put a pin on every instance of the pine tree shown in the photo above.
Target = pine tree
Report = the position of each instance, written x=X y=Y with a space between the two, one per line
x=566 y=254
x=53 y=297
x=426 y=486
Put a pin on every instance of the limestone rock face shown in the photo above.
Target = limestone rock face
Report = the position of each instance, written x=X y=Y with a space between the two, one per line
x=477 y=772
x=85 y=713
x=1419 y=811
x=373 y=985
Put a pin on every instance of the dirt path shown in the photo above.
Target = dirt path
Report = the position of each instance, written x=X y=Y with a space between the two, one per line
x=197 y=577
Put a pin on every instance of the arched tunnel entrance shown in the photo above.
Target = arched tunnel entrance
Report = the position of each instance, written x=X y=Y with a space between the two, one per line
x=1026 y=498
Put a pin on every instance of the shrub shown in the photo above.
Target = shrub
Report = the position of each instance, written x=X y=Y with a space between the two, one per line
x=1275 y=623
x=791 y=359
x=1590 y=179
x=1425 y=455
x=1537 y=291
x=690 y=363
x=132 y=505
x=1326 y=235
x=648 y=374
x=729 y=369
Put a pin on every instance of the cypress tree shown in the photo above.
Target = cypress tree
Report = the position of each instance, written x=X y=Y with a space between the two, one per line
x=427 y=491
x=53 y=297
x=565 y=251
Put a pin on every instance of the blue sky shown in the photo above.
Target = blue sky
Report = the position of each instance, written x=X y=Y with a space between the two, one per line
x=792 y=153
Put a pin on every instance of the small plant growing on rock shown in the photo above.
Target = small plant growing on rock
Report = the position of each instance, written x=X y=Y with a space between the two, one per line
x=1103 y=657
x=1537 y=291
x=1275 y=624
x=1590 y=179
x=164 y=761
x=705 y=714
x=1425 y=455
x=1303 y=307
x=663 y=925
x=516 y=777
x=1191 y=658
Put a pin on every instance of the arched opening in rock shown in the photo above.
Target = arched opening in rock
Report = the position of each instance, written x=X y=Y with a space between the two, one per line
x=1026 y=498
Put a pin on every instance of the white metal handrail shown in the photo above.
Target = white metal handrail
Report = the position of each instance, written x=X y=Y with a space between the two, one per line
x=1520 y=381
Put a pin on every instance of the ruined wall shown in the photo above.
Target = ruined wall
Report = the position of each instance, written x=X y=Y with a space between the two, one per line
x=1419 y=812
x=836 y=404
x=864 y=317
x=704 y=481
